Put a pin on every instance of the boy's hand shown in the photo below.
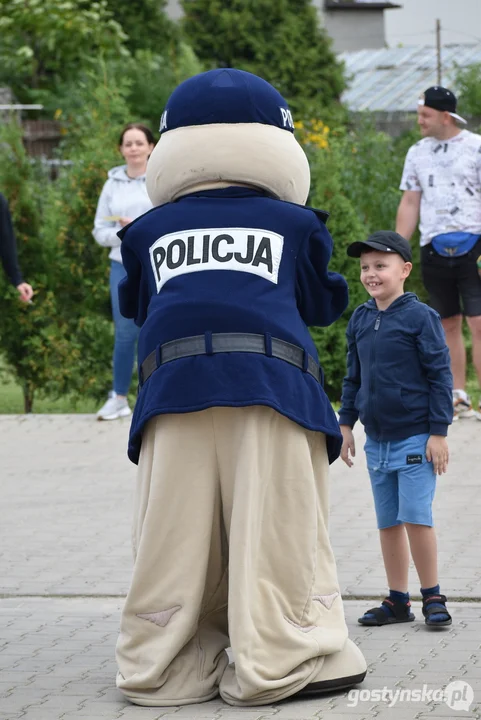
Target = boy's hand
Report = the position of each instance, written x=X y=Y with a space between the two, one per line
x=437 y=452
x=348 y=445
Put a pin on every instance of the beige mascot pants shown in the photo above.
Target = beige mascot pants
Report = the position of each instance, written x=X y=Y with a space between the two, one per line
x=231 y=548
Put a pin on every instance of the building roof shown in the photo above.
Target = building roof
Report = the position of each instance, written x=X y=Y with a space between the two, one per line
x=392 y=79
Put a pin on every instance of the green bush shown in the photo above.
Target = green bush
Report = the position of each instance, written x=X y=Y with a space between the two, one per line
x=32 y=336
x=146 y=23
x=61 y=344
x=355 y=176
x=50 y=50
x=371 y=165
x=468 y=85
x=45 y=42
x=153 y=76
x=345 y=226
x=80 y=274
x=145 y=80
x=281 y=41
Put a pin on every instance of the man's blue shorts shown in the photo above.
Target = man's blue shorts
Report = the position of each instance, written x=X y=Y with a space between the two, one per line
x=403 y=481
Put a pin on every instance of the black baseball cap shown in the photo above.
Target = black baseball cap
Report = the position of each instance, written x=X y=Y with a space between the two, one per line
x=384 y=241
x=442 y=99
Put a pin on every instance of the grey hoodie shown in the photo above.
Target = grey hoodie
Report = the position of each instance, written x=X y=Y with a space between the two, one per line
x=121 y=196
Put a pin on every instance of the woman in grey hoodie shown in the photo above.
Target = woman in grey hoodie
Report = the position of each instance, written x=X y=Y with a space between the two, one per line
x=123 y=198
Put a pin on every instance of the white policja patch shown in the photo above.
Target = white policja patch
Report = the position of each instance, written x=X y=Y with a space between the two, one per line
x=243 y=249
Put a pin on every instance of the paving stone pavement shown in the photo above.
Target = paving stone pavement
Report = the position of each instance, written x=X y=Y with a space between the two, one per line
x=65 y=563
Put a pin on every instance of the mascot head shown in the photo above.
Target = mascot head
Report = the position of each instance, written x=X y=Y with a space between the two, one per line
x=227 y=127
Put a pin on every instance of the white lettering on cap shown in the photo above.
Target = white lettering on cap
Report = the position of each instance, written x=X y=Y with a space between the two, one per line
x=286 y=116
x=163 y=121
x=251 y=250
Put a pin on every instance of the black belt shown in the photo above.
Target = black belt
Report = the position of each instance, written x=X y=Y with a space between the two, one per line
x=213 y=343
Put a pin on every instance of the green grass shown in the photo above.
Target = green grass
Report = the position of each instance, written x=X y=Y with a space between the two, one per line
x=11 y=398
x=11 y=401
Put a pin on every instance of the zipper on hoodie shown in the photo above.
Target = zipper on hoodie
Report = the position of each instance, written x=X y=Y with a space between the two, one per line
x=371 y=363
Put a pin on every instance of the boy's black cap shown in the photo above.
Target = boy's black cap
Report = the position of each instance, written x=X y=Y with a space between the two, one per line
x=385 y=241
x=442 y=99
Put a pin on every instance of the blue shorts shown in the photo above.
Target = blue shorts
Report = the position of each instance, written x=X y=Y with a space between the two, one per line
x=403 y=481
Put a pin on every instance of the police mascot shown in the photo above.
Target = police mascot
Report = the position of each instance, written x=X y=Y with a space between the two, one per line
x=232 y=431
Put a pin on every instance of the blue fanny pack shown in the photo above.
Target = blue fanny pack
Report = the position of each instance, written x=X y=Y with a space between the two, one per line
x=454 y=244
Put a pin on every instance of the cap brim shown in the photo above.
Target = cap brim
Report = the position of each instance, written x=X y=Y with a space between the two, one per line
x=459 y=118
x=356 y=249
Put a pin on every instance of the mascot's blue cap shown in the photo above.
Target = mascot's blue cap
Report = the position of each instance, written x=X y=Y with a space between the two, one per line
x=225 y=96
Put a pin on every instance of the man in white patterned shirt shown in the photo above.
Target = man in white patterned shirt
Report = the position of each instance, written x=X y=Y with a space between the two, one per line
x=442 y=188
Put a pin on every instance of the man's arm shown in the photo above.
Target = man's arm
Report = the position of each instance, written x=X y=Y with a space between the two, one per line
x=8 y=248
x=408 y=213
x=8 y=252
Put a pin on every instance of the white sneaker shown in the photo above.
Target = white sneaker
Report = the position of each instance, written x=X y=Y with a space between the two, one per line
x=462 y=405
x=115 y=407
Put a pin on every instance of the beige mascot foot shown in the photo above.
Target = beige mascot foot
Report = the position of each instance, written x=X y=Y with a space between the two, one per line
x=339 y=671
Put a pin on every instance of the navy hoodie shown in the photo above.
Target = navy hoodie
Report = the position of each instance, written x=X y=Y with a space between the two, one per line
x=398 y=380
x=232 y=260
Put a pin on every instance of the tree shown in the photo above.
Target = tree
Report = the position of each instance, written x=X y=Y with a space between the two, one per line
x=80 y=274
x=45 y=42
x=355 y=177
x=146 y=23
x=62 y=343
x=345 y=226
x=280 y=41
x=153 y=77
x=370 y=165
x=468 y=85
x=32 y=340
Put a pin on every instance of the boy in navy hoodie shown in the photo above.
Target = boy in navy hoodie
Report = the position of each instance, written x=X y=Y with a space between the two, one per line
x=399 y=384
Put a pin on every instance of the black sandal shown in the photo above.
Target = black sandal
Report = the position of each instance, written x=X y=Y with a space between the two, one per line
x=401 y=612
x=428 y=611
